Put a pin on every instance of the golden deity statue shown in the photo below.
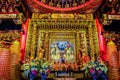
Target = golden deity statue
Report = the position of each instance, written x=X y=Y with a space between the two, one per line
x=41 y=52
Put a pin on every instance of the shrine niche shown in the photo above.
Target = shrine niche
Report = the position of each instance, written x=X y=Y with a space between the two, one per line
x=61 y=46
x=53 y=32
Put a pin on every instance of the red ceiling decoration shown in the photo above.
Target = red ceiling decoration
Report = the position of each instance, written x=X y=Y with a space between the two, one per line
x=38 y=6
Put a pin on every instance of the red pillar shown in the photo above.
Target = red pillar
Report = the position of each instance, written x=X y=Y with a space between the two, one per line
x=101 y=40
x=23 y=39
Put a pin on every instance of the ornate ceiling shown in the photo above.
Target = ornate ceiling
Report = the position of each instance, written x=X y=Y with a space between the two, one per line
x=63 y=6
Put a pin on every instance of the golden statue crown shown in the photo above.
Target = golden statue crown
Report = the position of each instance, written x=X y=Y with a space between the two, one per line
x=111 y=43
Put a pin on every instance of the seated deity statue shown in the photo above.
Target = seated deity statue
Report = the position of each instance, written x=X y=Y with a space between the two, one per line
x=55 y=53
x=68 y=49
x=85 y=58
x=3 y=8
x=75 y=66
x=70 y=2
x=68 y=53
x=56 y=66
x=63 y=3
x=68 y=57
x=55 y=2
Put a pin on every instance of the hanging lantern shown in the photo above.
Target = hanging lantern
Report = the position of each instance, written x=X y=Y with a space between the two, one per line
x=4 y=64
x=112 y=59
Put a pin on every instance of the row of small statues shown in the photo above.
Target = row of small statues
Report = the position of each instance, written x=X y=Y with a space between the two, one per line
x=64 y=3
x=6 y=6
x=114 y=6
x=55 y=66
x=65 y=66
x=114 y=10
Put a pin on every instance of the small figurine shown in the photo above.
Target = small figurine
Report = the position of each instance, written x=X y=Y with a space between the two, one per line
x=3 y=8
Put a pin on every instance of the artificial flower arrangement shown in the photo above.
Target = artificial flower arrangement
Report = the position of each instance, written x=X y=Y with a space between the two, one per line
x=32 y=68
x=96 y=68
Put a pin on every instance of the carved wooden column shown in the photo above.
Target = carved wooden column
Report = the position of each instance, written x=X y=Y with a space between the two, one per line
x=95 y=39
x=77 y=44
x=40 y=40
x=46 y=43
x=33 y=40
x=28 y=42
x=91 y=41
